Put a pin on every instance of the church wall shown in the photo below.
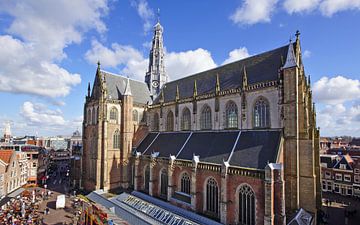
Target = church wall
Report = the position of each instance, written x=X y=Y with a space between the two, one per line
x=222 y=112
x=233 y=184
x=271 y=94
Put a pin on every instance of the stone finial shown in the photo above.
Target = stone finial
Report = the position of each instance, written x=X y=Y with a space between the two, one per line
x=162 y=98
x=195 y=89
x=245 y=79
x=290 y=58
x=127 y=91
x=217 y=85
x=177 y=97
x=98 y=64
x=88 y=89
x=297 y=34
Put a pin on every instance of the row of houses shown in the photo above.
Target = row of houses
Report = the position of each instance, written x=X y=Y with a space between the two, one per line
x=340 y=174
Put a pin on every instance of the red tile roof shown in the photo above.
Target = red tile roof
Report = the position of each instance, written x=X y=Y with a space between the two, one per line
x=5 y=155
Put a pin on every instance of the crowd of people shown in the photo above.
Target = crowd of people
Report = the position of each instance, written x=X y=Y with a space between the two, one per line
x=23 y=209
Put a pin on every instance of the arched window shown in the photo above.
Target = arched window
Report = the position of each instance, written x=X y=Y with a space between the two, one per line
x=261 y=113
x=114 y=114
x=205 y=118
x=246 y=205
x=164 y=183
x=156 y=122
x=170 y=121
x=146 y=179
x=135 y=115
x=231 y=115
x=185 y=183
x=116 y=139
x=186 y=119
x=212 y=197
x=89 y=116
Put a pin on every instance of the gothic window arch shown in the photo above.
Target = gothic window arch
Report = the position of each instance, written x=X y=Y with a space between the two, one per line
x=146 y=179
x=186 y=119
x=89 y=116
x=170 y=121
x=231 y=115
x=114 y=114
x=163 y=183
x=205 y=118
x=246 y=205
x=185 y=183
x=261 y=113
x=116 y=139
x=212 y=197
x=156 y=122
x=135 y=115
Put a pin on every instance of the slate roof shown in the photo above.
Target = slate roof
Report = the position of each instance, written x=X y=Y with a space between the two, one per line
x=246 y=148
x=347 y=160
x=259 y=68
x=330 y=160
x=116 y=84
x=260 y=145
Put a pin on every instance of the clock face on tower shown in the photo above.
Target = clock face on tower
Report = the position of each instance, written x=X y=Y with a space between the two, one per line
x=155 y=83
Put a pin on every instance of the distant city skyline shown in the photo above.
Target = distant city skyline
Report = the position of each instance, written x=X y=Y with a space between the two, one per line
x=49 y=52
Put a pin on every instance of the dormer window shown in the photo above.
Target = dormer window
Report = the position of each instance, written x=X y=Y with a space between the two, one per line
x=342 y=166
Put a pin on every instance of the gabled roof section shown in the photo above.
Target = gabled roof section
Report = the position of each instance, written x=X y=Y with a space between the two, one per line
x=116 y=88
x=259 y=68
x=347 y=160
x=256 y=148
x=5 y=155
x=247 y=148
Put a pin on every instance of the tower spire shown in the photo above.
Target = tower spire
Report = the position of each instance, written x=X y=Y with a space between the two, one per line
x=290 y=58
x=158 y=15
x=156 y=76
x=127 y=88
x=89 y=89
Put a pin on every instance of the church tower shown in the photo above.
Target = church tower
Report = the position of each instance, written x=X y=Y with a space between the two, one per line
x=155 y=76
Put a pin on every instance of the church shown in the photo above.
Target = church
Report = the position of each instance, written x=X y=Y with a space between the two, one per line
x=237 y=143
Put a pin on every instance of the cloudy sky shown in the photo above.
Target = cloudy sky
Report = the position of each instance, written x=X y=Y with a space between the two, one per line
x=49 y=50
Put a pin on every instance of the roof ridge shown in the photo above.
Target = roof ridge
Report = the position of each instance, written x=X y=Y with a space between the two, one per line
x=221 y=66
x=121 y=76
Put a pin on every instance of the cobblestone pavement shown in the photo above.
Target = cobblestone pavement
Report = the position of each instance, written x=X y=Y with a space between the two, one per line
x=58 y=184
x=336 y=211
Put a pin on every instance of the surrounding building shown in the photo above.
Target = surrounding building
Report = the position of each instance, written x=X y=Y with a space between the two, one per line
x=238 y=143
x=340 y=174
x=13 y=171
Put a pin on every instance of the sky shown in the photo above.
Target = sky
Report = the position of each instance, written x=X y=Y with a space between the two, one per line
x=49 y=50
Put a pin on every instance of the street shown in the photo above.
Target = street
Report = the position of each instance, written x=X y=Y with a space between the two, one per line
x=58 y=183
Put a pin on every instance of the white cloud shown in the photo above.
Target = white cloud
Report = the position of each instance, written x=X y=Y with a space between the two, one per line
x=339 y=120
x=330 y=7
x=180 y=64
x=336 y=90
x=307 y=54
x=130 y=61
x=37 y=36
x=326 y=7
x=38 y=114
x=145 y=13
x=296 y=6
x=51 y=121
x=237 y=54
x=251 y=12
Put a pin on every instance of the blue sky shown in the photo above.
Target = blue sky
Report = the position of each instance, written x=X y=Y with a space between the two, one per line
x=49 y=51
